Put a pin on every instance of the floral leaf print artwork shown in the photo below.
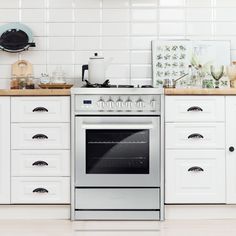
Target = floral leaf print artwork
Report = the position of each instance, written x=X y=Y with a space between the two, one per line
x=167 y=56
x=159 y=57
x=159 y=65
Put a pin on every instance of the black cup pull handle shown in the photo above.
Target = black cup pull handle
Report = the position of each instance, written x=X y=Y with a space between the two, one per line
x=195 y=108
x=40 y=136
x=195 y=135
x=40 y=163
x=231 y=149
x=195 y=169
x=40 y=190
x=40 y=109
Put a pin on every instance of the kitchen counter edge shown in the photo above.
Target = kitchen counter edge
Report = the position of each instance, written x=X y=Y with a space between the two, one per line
x=189 y=91
x=35 y=92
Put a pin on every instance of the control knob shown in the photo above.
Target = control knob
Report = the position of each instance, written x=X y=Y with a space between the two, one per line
x=119 y=103
x=140 y=103
x=128 y=104
x=153 y=104
x=100 y=103
x=110 y=103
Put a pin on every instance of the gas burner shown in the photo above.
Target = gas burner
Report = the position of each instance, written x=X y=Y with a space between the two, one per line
x=104 y=85
x=146 y=86
x=125 y=86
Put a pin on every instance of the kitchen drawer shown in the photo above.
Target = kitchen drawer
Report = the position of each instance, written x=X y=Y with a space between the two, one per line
x=40 y=163
x=195 y=135
x=195 y=176
x=40 y=109
x=28 y=190
x=40 y=136
x=104 y=198
x=194 y=108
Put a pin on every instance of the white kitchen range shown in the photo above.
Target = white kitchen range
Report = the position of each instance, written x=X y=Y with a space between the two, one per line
x=117 y=153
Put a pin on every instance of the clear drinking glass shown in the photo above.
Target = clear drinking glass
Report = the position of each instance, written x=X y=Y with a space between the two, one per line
x=217 y=73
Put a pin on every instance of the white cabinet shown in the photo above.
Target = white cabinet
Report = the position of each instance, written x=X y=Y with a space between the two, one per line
x=231 y=155
x=4 y=150
x=195 y=176
x=195 y=149
x=40 y=150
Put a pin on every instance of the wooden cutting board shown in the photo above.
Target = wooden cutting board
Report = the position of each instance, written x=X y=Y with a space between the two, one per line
x=22 y=68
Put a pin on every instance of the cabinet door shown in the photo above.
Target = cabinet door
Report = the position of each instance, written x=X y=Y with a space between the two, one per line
x=4 y=150
x=195 y=176
x=231 y=156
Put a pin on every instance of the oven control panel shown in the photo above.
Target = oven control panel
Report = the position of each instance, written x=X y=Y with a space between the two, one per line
x=118 y=103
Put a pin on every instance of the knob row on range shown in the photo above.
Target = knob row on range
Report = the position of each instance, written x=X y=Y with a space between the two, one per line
x=124 y=104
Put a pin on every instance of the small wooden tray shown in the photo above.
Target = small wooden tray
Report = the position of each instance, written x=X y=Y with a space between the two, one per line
x=55 y=86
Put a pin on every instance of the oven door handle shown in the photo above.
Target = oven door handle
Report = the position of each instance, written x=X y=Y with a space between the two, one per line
x=117 y=126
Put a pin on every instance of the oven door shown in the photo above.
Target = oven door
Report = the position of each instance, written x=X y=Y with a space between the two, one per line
x=117 y=151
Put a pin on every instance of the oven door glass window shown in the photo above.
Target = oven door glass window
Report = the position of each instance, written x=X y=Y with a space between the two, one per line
x=117 y=151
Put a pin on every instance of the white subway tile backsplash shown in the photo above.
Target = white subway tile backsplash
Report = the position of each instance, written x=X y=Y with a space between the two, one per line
x=115 y=15
x=115 y=29
x=8 y=58
x=38 y=29
x=117 y=57
x=60 y=57
x=60 y=29
x=60 y=43
x=87 y=43
x=9 y=4
x=87 y=3
x=225 y=3
x=171 y=14
x=87 y=29
x=9 y=15
x=5 y=71
x=225 y=14
x=199 y=3
x=68 y=32
x=118 y=71
x=172 y=3
x=38 y=15
x=171 y=28
x=115 y=43
x=141 y=71
x=35 y=57
x=32 y=4
x=199 y=28
x=60 y=3
x=199 y=14
x=144 y=29
x=143 y=4
x=60 y=15
x=141 y=57
x=225 y=28
x=87 y=15
x=115 y=3
x=142 y=43
x=144 y=15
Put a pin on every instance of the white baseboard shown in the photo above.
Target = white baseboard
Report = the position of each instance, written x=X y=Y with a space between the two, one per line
x=57 y=212
x=200 y=212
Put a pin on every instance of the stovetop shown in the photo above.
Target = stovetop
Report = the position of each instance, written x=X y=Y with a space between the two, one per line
x=107 y=84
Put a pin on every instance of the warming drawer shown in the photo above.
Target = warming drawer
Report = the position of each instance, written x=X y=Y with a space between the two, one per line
x=106 y=198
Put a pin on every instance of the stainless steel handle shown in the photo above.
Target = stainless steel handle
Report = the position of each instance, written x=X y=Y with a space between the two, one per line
x=195 y=108
x=195 y=136
x=40 y=190
x=117 y=126
x=40 y=163
x=40 y=136
x=196 y=169
x=40 y=109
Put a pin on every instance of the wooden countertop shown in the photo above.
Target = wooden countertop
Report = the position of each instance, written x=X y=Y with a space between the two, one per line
x=35 y=92
x=192 y=91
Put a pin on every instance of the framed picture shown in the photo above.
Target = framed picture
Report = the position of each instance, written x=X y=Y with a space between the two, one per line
x=172 y=58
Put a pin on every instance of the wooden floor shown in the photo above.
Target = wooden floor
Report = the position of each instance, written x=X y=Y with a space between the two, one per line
x=118 y=228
